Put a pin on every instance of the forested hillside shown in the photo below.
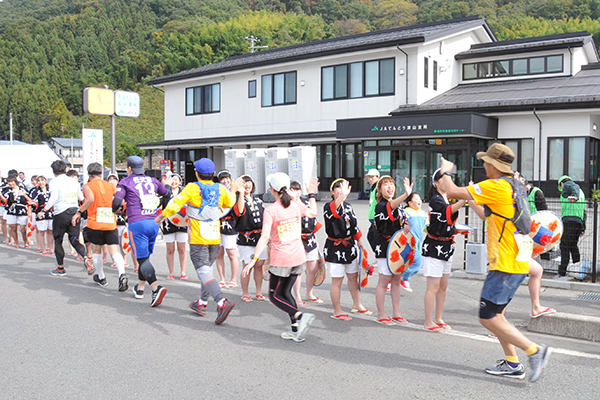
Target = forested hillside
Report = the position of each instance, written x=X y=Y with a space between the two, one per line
x=50 y=50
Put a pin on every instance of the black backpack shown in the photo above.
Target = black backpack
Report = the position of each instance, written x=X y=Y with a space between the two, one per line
x=521 y=219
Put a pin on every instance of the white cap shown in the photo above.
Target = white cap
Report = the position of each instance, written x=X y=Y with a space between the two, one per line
x=373 y=172
x=278 y=181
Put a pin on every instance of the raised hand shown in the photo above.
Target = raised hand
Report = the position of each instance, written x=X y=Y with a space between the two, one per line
x=238 y=186
x=313 y=185
x=346 y=188
x=407 y=186
x=446 y=165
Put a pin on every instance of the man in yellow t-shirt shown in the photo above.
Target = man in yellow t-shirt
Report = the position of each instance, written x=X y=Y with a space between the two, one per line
x=204 y=227
x=505 y=273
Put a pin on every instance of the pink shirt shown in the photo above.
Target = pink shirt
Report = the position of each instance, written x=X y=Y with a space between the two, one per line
x=285 y=231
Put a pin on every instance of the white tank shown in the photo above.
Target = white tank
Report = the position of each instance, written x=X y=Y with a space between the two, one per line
x=302 y=165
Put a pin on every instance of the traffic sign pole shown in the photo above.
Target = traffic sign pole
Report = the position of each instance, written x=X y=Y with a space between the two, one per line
x=113 y=153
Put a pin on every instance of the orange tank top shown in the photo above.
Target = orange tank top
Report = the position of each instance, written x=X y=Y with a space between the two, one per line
x=100 y=215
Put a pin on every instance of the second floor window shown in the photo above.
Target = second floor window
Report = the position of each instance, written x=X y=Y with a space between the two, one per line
x=278 y=89
x=359 y=79
x=514 y=67
x=203 y=99
x=252 y=89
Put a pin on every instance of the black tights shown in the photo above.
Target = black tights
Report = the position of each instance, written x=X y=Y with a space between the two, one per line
x=146 y=270
x=280 y=293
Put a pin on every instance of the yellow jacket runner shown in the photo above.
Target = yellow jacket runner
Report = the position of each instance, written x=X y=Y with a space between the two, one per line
x=201 y=232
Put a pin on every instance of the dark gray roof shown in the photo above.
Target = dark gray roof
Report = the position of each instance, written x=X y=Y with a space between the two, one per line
x=579 y=91
x=390 y=37
x=516 y=46
x=66 y=142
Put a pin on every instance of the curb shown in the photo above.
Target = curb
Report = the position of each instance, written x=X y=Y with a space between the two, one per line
x=569 y=325
x=563 y=283
x=558 y=324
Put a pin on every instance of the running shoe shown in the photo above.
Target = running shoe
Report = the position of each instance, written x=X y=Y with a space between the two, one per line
x=406 y=285
x=305 y=323
x=158 y=295
x=198 y=308
x=89 y=265
x=538 y=361
x=139 y=294
x=291 y=335
x=101 y=282
x=58 y=272
x=123 y=286
x=501 y=368
x=223 y=311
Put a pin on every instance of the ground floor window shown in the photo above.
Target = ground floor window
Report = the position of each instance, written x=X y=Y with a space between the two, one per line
x=567 y=156
x=524 y=153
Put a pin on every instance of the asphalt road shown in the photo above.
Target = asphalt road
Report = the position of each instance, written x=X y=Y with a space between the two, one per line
x=68 y=338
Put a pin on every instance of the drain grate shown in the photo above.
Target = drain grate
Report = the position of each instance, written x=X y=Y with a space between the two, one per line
x=589 y=296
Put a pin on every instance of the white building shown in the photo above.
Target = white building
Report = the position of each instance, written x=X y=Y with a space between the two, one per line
x=69 y=150
x=338 y=94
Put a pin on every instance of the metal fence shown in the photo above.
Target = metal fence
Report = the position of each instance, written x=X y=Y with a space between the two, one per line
x=587 y=244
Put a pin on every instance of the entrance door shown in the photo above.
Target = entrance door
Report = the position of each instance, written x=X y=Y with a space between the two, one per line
x=400 y=168
x=424 y=164
x=459 y=158
x=419 y=173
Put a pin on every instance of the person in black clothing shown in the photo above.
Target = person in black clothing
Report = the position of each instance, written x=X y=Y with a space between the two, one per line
x=438 y=249
x=16 y=200
x=43 y=223
x=389 y=218
x=248 y=213
x=228 y=239
x=342 y=248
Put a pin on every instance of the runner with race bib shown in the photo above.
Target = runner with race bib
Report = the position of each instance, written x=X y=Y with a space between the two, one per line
x=141 y=192
x=203 y=200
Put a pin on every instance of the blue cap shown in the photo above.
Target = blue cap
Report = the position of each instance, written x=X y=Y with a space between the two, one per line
x=205 y=166
x=136 y=163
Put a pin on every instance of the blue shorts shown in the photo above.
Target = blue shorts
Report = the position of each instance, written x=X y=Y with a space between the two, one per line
x=142 y=236
x=498 y=290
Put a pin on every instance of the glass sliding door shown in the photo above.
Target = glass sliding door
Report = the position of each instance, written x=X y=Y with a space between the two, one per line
x=400 y=168
x=418 y=168
x=459 y=158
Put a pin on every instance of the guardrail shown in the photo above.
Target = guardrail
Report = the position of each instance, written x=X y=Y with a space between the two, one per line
x=587 y=243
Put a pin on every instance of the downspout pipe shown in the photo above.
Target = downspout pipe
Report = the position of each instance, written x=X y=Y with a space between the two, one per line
x=405 y=70
x=570 y=61
x=539 y=148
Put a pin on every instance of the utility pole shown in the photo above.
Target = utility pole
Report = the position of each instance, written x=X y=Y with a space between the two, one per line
x=11 y=130
x=253 y=40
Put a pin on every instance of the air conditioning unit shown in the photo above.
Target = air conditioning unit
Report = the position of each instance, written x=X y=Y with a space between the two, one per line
x=477 y=260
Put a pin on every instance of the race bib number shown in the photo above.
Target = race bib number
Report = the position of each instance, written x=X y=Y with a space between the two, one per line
x=210 y=230
x=149 y=202
x=71 y=197
x=525 y=244
x=105 y=215
x=289 y=230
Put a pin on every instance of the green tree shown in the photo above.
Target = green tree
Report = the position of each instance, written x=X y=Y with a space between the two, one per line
x=395 y=13
x=60 y=122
